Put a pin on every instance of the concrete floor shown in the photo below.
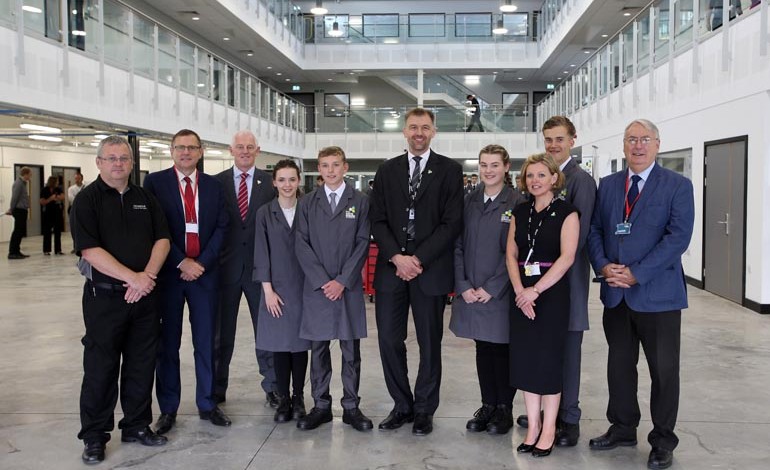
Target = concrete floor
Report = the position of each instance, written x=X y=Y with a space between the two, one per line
x=724 y=417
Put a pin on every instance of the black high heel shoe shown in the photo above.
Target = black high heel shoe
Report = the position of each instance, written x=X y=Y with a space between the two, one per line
x=525 y=448
x=538 y=452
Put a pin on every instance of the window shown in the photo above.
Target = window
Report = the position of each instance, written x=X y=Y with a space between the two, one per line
x=336 y=104
x=342 y=26
x=186 y=65
x=116 y=39
x=379 y=26
x=144 y=33
x=517 y=24
x=427 y=25
x=166 y=57
x=473 y=24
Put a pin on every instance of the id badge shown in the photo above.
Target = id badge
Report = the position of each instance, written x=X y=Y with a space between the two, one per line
x=411 y=214
x=532 y=269
x=191 y=227
x=623 y=229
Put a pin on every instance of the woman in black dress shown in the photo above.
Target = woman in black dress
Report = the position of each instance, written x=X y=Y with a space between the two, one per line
x=52 y=200
x=542 y=241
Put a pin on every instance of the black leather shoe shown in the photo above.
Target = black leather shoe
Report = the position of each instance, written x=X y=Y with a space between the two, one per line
x=660 y=458
x=272 y=399
x=284 y=412
x=502 y=420
x=357 y=420
x=609 y=441
x=93 y=452
x=298 y=407
x=525 y=448
x=216 y=416
x=145 y=436
x=480 y=419
x=315 y=418
x=567 y=435
x=20 y=256
x=423 y=424
x=395 y=420
x=165 y=422
x=538 y=452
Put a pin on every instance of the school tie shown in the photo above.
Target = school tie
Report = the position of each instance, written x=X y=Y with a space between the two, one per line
x=333 y=201
x=193 y=245
x=414 y=183
x=243 y=196
x=633 y=192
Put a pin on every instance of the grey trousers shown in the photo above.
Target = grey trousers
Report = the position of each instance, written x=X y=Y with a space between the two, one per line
x=321 y=373
x=569 y=407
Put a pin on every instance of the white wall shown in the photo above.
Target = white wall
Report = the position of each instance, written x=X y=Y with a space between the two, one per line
x=704 y=104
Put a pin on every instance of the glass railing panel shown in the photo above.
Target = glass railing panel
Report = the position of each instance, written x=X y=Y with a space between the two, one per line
x=42 y=18
x=231 y=89
x=204 y=74
x=643 y=43
x=7 y=7
x=683 y=23
x=628 y=52
x=254 y=97
x=166 y=56
x=614 y=64
x=144 y=44
x=116 y=33
x=186 y=66
x=265 y=102
x=661 y=30
x=218 y=81
x=244 y=92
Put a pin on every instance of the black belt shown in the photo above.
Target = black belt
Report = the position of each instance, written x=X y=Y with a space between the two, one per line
x=106 y=286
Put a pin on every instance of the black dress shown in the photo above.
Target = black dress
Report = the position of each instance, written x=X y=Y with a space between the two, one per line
x=537 y=346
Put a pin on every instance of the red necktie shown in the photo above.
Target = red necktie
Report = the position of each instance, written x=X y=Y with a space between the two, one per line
x=193 y=242
x=243 y=196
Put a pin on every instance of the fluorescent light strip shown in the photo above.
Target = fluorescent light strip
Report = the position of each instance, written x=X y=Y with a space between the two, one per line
x=45 y=138
x=36 y=127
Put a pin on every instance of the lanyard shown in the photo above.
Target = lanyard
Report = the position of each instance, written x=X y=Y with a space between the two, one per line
x=630 y=207
x=532 y=237
x=190 y=215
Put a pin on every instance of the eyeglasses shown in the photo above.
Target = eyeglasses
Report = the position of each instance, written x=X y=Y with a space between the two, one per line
x=114 y=160
x=189 y=148
x=241 y=148
x=636 y=140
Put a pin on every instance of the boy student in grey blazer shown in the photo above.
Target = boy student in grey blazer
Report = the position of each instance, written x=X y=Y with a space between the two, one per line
x=332 y=243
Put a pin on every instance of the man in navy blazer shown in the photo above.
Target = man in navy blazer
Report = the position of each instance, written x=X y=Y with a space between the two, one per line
x=194 y=205
x=237 y=261
x=642 y=224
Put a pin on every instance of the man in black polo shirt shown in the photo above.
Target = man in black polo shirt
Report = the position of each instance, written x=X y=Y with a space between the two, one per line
x=122 y=234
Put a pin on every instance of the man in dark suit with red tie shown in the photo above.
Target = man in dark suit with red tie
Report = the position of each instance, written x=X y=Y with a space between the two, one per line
x=416 y=210
x=195 y=210
x=247 y=188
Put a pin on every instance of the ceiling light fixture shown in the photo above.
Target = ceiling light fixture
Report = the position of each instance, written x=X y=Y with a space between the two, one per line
x=626 y=14
x=605 y=35
x=336 y=32
x=319 y=9
x=31 y=9
x=39 y=128
x=225 y=38
x=45 y=138
x=500 y=28
x=196 y=18
x=508 y=7
x=77 y=32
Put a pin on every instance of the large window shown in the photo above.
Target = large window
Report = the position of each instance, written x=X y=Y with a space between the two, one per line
x=517 y=24
x=342 y=26
x=380 y=26
x=427 y=25
x=473 y=24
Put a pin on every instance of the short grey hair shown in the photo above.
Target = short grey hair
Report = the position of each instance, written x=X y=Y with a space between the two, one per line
x=245 y=133
x=647 y=124
x=114 y=140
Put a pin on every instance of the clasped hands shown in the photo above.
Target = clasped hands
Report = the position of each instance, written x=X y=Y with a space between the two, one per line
x=190 y=269
x=333 y=290
x=408 y=267
x=618 y=275
x=525 y=300
x=471 y=296
x=140 y=285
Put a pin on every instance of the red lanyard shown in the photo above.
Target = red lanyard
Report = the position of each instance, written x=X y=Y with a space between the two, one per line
x=190 y=215
x=630 y=207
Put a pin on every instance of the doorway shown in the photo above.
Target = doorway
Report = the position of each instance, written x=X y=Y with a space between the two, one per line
x=66 y=175
x=724 y=218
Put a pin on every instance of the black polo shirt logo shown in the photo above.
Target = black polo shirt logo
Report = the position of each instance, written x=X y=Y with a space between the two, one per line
x=140 y=207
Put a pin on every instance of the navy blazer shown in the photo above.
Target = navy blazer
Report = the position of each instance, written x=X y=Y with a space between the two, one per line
x=212 y=222
x=661 y=228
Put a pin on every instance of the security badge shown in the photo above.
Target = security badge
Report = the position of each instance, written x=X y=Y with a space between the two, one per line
x=623 y=228
x=532 y=269
x=191 y=227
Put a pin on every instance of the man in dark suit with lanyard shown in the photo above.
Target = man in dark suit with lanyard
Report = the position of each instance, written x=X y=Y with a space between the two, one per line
x=194 y=206
x=247 y=188
x=416 y=210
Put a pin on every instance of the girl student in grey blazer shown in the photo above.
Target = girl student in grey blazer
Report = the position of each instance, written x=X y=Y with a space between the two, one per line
x=276 y=266
x=482 y=306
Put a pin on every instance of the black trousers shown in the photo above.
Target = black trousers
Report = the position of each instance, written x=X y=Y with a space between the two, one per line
x=19 y=231
x=290 y=367
x=658 y=333
x=224 y=340
x=52 y=223
x=569 y=406
x=117 y=330
x=392 y=314
x=475 y=121
x=493 y=368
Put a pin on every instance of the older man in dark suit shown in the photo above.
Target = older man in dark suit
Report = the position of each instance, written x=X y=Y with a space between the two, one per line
x=641 y=226
x=194 y=205
x=416 y=210
x=247 y=188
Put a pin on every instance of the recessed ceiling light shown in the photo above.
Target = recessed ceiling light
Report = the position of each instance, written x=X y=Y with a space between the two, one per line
x=225 y=38
x=605 y=35
x=269 y=67
x=329 y=79
x=571 y=65
x=566 y=71
x=586 y=52
x=250 y=54
x=278 y=73
x=196 y=18
x=358 y=70
x=288 y=79
x=626 y=14
x=494 y=73
x=521 y=78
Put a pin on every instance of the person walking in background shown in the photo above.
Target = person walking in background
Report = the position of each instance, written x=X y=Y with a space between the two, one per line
x=19 y=208
x=52 y=202
x=476 y=113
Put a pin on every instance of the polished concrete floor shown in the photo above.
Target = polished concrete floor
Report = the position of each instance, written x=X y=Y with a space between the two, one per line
x=724 y=417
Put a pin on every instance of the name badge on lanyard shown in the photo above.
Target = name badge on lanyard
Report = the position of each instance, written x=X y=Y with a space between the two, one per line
x=623 y=228
x=191 y=227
